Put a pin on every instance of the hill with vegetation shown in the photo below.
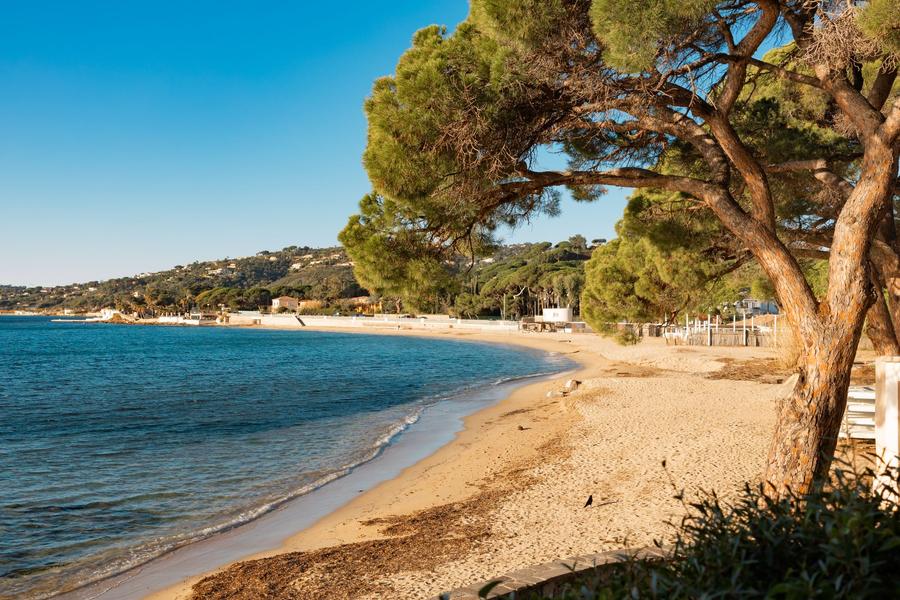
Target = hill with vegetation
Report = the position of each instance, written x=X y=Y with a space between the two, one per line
x=514 y=280
x=239 y=283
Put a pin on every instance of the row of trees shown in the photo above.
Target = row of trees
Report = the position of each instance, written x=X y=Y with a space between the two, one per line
x=635 y=277
x=744 y=155
x=523 y=283
x=656 y=269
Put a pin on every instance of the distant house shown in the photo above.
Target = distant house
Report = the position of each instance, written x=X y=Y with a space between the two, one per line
x=756 y=307
x=286 y=302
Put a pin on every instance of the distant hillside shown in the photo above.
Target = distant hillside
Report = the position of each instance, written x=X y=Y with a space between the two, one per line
x=516 y=280
x=301 y=271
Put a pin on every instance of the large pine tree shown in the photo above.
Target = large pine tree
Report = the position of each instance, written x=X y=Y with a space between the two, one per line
x=455 y=138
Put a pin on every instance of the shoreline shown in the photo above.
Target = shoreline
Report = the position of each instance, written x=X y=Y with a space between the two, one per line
x=251 y=541
x=509 y=491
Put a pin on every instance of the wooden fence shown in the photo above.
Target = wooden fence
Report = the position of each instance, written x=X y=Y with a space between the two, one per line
x=712 y=337
x=703 y=335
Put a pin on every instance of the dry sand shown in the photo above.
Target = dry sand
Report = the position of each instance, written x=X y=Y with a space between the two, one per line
x=509 y=491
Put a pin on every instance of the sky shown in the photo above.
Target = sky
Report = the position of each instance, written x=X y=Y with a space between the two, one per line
x=137 y=136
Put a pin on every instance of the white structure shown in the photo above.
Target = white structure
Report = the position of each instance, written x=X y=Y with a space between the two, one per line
x=887 y=413
x=285 y=302
x=557 y=315
x=859 y=416
x=106 y=314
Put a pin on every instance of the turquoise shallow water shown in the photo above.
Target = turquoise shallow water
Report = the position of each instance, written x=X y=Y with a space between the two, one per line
x=118 y=443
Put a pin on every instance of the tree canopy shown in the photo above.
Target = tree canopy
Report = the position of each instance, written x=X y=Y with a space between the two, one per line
x=531 y=277
x=775 y=120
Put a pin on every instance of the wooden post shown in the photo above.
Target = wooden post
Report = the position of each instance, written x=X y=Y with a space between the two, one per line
x=775 y=330
x=887 y=417
x=744 y=327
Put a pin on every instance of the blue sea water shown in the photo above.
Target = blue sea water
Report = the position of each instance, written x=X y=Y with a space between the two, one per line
x=118 y=443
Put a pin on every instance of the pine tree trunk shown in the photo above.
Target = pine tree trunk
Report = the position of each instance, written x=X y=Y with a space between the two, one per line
x=886 y=263
x=880 y=327
x=886 y=270
x=892 y=296
x=809 y=420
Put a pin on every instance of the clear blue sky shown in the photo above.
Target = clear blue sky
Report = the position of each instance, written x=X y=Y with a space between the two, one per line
x=136 y=136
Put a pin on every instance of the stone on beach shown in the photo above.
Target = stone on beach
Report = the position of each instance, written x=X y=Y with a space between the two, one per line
x=572 y=385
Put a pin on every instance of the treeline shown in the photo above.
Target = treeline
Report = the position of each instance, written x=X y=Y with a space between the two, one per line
x=522 y=282
x=638 y=276
x=512 y=281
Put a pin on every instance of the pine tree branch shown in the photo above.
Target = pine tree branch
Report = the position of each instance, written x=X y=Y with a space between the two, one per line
x=536 y=181
x=881 y=87
x=820 y=170
x=737 y=72
x=786 y=73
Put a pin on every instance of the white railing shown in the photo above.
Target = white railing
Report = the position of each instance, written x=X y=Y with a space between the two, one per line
x=859 y=416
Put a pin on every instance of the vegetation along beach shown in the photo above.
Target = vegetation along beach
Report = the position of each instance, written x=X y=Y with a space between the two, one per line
x=575 y=299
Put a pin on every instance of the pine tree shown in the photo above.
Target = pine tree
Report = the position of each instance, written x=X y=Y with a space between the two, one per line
x=456 y=136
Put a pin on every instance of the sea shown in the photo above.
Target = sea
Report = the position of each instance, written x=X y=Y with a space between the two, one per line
x=120 y=443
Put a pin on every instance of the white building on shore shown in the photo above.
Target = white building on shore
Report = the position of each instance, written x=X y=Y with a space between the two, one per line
x=557 y=315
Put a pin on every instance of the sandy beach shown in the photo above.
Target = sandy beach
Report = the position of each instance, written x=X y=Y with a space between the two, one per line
x=508 y=492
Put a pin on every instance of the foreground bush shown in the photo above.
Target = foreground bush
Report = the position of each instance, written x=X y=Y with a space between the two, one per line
x=841 y=542
x=624 y=334
x=627 y=337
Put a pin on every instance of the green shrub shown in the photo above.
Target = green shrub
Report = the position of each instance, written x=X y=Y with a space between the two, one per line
x=838 y=542
x=624 y=334
x=627 y=337
x=605 y=329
